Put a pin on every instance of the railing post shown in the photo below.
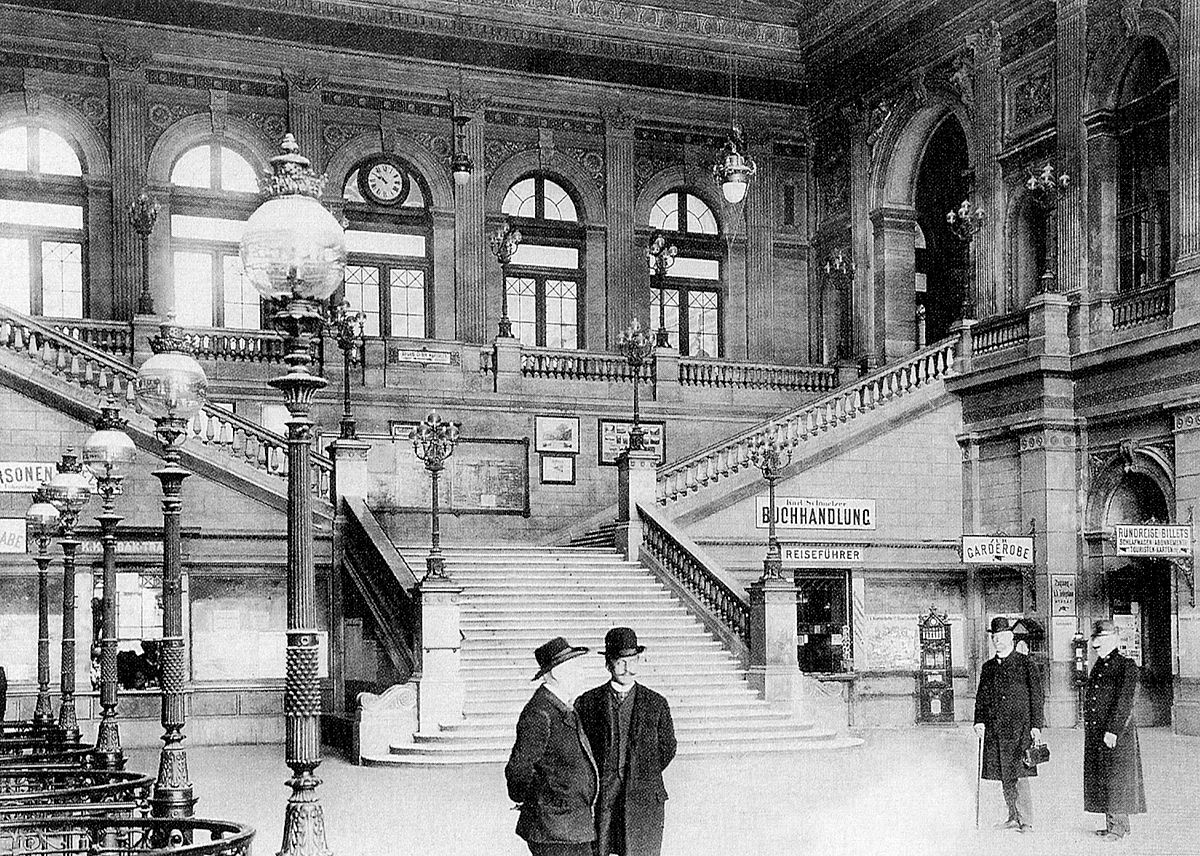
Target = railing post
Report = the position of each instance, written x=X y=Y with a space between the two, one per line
x=774 y=668
x=666 y=375
x=847 y=371
x=350 y=479
x=144 y=328
x=1048 y=335
x=508 y=364
x=966 y=340
x=440 y=686
x=637 y=478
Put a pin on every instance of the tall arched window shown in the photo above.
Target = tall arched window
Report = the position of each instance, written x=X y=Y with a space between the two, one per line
x=544 y=281
x=42 y=237
x=213 y=190
x=389 y=248
x=693 y=300
x=1144 y=183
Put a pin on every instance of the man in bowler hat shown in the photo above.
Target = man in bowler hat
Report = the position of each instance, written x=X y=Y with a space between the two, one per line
x=1112 y=762
x=551 y=772
x=632 y=737
x=1008 y=716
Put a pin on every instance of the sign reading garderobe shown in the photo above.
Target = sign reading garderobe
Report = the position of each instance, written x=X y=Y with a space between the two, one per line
x=997 y=550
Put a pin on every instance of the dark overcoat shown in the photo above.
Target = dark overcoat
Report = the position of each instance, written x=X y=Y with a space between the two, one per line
x=1008 y=702
x=1112 y=778
x=552 y=774
x=651 y=747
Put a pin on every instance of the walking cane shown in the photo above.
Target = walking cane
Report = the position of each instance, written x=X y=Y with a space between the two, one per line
x=978 y=775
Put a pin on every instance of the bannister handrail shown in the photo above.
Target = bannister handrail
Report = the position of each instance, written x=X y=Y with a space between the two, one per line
x=48 y=785
x=124 y=836
x=356 y=508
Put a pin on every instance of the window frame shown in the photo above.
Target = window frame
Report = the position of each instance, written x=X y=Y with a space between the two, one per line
x=365 y=217
x=558 y=234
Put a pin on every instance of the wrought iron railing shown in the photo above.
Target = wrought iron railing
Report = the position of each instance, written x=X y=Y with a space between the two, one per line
x=1141 y=307
x=1002 y=331
x=709 y=465
x=60 y=755
x=722 y=373
x=70 y=787
x=105 y=836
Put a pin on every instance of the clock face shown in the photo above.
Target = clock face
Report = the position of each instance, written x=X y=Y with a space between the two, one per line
x=384 y=183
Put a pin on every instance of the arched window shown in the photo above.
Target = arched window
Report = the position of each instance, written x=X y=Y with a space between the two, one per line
x=42 y=237
x=389 y=248
x=544 y=281
x=1144 y=182
x=213 y=190
x=692 y=296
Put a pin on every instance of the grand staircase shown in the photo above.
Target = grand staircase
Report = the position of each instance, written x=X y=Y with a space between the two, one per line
x=517 y=597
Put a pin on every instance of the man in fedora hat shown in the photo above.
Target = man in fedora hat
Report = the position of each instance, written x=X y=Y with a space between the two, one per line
x=1112 y=761
x=551 y=771
x=630 y=730
x=1008 y=716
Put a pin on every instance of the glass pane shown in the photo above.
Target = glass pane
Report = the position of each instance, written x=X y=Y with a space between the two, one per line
x=62 y=279
x=693 y=268
x=558 y=204
x=236 y=173
x=48 y=214
x=522 y=309
x=189 y=227
x=241 y=299
x=350 y=191
x=541 y=255
x=194 y=168
x=14 y=149
x=521 y=201
x=55 y=155
x=700 y=217
x=665 y=213
x=193 y=288
x=561 y=314
x=408 y=303
x=703 y=340
x=670 y=316
x=15 y=284
x=362 y=290
x=384 y=243
x=416 y=196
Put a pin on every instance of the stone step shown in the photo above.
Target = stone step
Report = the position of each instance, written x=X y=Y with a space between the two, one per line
x=729 y=713
x=480 y=698
x=656 y=670
x=683 y=734
x=584 y=622
x=524 y=643
x=644 y=612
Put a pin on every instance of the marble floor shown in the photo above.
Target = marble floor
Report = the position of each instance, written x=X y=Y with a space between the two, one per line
x=902 y=792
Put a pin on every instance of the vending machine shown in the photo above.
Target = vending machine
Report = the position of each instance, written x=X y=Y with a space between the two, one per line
x=935 y=683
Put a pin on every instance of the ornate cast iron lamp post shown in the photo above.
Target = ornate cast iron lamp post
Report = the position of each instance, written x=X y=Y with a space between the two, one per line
x=143 y=212
x=69 y=492
x=42 y=523
x=347 y=326
x=433 y=442
x=504 y=243
x=1047 y=187
x=171 y=388
x=839 y=275
x=109 y=453
x=771 y=458
x=964 y=225
x=294 y=252
x=661 y=256
x=637 y=348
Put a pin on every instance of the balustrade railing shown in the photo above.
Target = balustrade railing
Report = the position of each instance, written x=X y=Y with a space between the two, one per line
x=49 y=786
x=109 y=337
x=874 y=390
x=721 y=373
x=250 y=346
x=80 y=363
x=1141 y=307
x=1003 y=331
x=143 y=836
x=562 y=364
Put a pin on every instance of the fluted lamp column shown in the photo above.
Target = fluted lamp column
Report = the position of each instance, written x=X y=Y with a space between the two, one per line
x=109 y=453
x=637 y=347
x=69 y=492
x=965 y=224
x=1047 y=187
x=504 y=243
x=41 y=525
x=171 y=388
x=294 y=252
x=346 y=324
x=771 y=458
x=433 y=442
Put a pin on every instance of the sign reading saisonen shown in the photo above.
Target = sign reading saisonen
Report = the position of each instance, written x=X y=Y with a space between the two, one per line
x=24 y=476
x=997 y=550
x=803 y=512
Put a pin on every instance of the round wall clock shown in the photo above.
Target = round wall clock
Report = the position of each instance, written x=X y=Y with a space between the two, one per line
x=383 y=180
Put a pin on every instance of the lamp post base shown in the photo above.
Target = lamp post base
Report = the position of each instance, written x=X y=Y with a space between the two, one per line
x=303 y=818
x=108 y=754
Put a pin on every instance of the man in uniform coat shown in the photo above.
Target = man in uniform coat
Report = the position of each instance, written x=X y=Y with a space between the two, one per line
x=1112 y=764
x=630 y=730
x=1008 y=716
x=551 y=771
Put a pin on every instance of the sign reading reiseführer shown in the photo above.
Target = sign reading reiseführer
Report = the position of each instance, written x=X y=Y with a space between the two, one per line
x=24 y=476
x=803 y=512
x=12 y=534
x=1154 y=540
x=821 y=554
x=997 y=549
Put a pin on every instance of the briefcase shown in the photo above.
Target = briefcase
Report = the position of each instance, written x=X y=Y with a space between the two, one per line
x=1038 y=753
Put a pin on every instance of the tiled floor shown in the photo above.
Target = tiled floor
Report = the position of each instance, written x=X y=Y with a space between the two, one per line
x=902 y=792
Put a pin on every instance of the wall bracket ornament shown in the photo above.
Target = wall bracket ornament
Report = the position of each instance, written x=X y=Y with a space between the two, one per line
x=1131 y=17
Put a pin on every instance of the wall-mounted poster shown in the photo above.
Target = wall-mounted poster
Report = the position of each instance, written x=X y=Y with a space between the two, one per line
x=558 y=469
x=556 y=434
x=614 y=439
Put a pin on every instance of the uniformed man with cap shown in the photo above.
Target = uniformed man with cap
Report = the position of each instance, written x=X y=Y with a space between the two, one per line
x=1008 y=716
x=1112 y=763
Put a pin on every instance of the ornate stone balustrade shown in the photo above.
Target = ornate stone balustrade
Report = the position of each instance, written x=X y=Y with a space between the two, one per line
x=1142 y=307
x=1002 y=331
x=110 y=337
x=255 y=346
x=722 y=373
x=562 y=364
x=709 y=465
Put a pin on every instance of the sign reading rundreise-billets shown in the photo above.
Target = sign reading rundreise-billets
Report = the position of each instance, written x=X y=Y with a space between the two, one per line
x=1154 y=540
x=997 y=550
x=821 y=554
x=24 y=476
x=804 y=512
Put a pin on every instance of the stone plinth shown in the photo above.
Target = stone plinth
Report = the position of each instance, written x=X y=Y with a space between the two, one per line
x=774 y=670
x=637 y=474
x=508 y=363
x=350 y=476
x=440 y=688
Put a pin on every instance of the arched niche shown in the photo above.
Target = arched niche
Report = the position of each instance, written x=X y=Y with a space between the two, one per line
x=428 y=167
x=693 y=179
x=902 y=144
x=67 y=121
x=570 y=175
x=1137 y=485
x=1025 y=239
x=1118 y=50
x=196 y=130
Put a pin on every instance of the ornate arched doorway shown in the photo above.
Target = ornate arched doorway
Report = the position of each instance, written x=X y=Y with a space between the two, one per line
x=941 y=185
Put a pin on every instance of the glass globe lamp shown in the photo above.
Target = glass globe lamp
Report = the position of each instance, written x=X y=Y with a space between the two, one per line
x=69 y=490
x=171 y=385
x=734 y=169
x=42 y=518
x=109 y=452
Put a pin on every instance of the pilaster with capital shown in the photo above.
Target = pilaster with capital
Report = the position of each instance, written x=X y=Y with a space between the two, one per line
x=893 y=301
x=866 y=328
x=761 y=298
x=127 y=86
x=470 y=240
x=304 y=113
x=987 y=171
x=1071 y=156
x=1185 y=423
x=1187 y=125
x=626 y=297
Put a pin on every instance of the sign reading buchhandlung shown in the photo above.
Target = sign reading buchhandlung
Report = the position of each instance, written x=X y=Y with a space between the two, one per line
x=803 y=512
x=1154 y=540
x=997 y=550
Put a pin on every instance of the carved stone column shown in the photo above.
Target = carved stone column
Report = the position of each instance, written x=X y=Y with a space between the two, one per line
x=761 y=299
x=987 y=172
x=867 y=319
x=127 y=119
x=470 y=239
x=626 y=297
x=893 y=317
x=1102 y=163
x=304 y=113
x=1071 y=158
x=1187 y=165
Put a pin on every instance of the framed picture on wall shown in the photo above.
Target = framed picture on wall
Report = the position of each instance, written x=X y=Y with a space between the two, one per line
x=614 y=439
x=556 y=434
x=558 y=469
